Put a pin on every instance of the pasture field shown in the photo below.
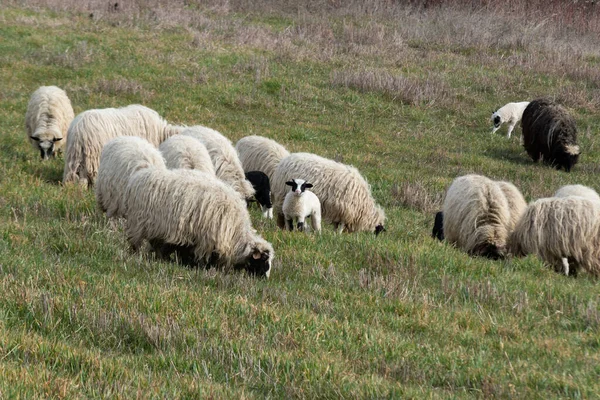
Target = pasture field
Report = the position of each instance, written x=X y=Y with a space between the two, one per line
x=404 y=93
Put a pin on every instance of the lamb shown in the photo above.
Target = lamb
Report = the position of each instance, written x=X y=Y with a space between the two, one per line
x=562 y=231
x=47 y=119
x=227 y=164
x=346 y=199
x=122 y=157
x=300 y=204
x=550 y=133
x=91 y=129
x=479 y=214
x=258 y=153
x=510 y=113
x=262 y=194
x=206 y=218
x=186 y=152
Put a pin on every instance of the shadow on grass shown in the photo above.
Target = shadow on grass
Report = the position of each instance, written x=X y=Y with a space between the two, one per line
x=506 y=154
x=50 y=171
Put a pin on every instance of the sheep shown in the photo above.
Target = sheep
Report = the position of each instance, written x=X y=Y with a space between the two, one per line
x=346 y=199
x=563 y=231
x=578 y=190
x=550 y=133
x=262 y=194
x=120 y=158
x=300 y=204
x=47 y=119
x=186 y=152
x=510 y=113
x=198 y=213
x=479 y=214
x=225 y=159
x=258 y=153
x=91 y=129
x=438 y=226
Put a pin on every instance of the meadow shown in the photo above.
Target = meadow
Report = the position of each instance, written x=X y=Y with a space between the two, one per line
x=401 y=90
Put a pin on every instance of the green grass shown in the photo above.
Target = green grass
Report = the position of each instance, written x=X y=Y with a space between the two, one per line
x=342 y=316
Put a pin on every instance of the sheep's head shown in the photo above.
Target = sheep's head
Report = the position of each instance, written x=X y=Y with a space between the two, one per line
x=299 y=186
x=496 y=119
x=567 y=157
x=45 y=143
x=438 y=226
x=259 y=260
x=379 y=220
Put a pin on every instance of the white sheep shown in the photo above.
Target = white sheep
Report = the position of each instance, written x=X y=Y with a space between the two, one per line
x=122 y=157
x=300 y=204
x=259 y=153
x=479 y=214
x=225 y=159
x=47 y=119
x=91 y=129
x=562 y=231
x=510 y=113
x=578 y=190
x=186 y=152
x=196 y=212
x=345 y=196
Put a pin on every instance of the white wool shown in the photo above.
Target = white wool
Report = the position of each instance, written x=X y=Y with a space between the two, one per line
x=511 y=114
x=186 y=152
x=47 y=119
x=297 y=206
x=225 y=159
x=91 y=129
x=259 y=153
x=122 y=157
x=578 y=190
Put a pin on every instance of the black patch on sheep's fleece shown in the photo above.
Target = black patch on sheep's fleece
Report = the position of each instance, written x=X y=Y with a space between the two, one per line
x=438 y=226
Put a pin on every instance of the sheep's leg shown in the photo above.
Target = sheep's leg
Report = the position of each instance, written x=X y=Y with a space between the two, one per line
x=315 y=222
x=301 y=224
x=270 y=213
x=289 y=224
x=265 y=211
x=565 y=264
x=510 y=129
x=495 y=129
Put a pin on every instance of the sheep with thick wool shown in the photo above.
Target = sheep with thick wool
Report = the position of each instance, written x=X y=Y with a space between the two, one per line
x=550 y=133
x=198 y=213
x=510 y=113
x=225 y=159
x=186 y=152
x=578 y=191
x=300 y=204
x=121 y=157
x=258 y=153
x=346 y=200
x=562 y=231
x=92 y=129
x=479 y=214
x=47 y=120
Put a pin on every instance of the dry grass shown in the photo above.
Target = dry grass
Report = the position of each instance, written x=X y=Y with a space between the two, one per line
x=416 y=196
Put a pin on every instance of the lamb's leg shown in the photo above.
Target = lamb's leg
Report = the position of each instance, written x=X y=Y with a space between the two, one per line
x=265 y=211
x=315 y=222
x=510 y=129
x=495 y=129
x=301 y=224
x=289 y=224
x=270 y=213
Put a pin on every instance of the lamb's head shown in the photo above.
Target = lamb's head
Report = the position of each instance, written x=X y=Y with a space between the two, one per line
x=45 y=142
x=379 y=218
x=259 y=257
x=299 y=186
x=496 y=119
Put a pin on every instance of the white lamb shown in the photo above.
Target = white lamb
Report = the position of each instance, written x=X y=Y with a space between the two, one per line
x=47 y=119
x=122 y=157
x=186 y=152
x=510 y=113
x=225 y=159
x=198 y=213
x=91 y=129
x=300 y=204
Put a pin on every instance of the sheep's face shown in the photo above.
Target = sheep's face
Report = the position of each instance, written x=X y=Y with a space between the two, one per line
x=496 y=120
x=299 y=186
x=45 y=143
x=258 y=262
x=379 y=219
x=438 y=226
x=567 y=157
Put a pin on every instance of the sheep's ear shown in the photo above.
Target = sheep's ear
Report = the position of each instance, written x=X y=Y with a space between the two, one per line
x=290 y=183
x=37 y=139
x=308 y=185
x=256 y=255
x=56 y=139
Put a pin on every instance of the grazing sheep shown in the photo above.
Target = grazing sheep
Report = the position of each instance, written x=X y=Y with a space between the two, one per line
x=510 y=113
x=258 y=153
x=262 y=194
x=225 y=159
x=198 y=213
x=478 y=214
x=550 y=133
x=345 y=196
x=578 y=190
x=91 y=129
x=562 y=231
x=187 y=153
x=438 y=226
x=122 y=157
x=300 y=204
x=47 y=119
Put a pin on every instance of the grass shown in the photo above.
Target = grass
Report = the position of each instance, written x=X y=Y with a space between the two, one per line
x=399 y=92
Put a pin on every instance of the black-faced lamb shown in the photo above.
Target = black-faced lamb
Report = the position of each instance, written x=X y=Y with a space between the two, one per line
x=346 y=200
x=479 y=214
x=197 y=212
x=186 y=152
x=510 y=113
x=262 y=191
x=47 y=119
x=550 y=133
x=258 y=153
x=122 y=157
x=300 y=204
x=91 y=129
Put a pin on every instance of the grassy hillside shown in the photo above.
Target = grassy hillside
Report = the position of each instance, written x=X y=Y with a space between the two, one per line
x=404 y=94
